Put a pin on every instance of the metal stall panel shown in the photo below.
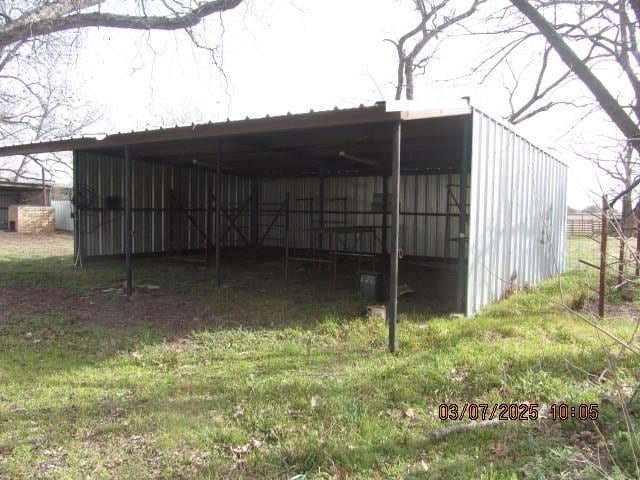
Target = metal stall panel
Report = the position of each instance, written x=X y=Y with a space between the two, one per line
x=301 y=215
x=349 y=201
x=100 y=179
x=517 y=213
x=423 y=215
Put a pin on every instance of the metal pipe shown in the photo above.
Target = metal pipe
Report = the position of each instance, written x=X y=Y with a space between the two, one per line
x=395 y=237
x=318 y=247
x=218 y=226
x=637 y=248
x=254 y=215
x=286 y=238
x=356 y=159
x=207 y=240
x=77 y=253
x=128 y=225
x=385 y=213
x=44 y=189
x=462 y=219
x=603 y=256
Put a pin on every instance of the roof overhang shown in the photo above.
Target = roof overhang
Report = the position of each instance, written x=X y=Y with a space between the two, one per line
x=377 y=113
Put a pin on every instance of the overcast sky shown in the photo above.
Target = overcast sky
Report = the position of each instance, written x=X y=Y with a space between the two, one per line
x=294 y=55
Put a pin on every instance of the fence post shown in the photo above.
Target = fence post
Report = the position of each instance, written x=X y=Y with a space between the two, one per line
x=637 y=248
x=603 y=255
x=621 y=258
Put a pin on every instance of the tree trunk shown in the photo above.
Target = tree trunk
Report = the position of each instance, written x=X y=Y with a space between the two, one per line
x=609 y=104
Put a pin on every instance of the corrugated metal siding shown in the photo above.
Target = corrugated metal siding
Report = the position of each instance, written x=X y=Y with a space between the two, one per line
x=423 y=207
x=64 y=221
x=103 y=228
x=517 y=213
x=7 y=199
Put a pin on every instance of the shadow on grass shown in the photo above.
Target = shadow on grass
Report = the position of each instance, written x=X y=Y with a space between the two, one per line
x=218 y=402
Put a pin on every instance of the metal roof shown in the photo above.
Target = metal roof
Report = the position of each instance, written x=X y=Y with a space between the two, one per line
x=376 y=113
x=9 y=185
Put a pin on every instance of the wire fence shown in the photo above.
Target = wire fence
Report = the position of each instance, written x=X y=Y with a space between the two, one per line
x=614 y=254
x=584 y=236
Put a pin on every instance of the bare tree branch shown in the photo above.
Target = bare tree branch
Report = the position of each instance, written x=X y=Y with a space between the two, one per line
x=58 y=17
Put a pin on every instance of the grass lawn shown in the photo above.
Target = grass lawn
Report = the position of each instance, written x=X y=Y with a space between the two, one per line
x=305 y=390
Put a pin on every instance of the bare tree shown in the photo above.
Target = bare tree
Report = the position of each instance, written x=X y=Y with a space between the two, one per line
x=435 y=18
x=26 y=20
x=623 y=169
x=39 y=37
x=606 y=33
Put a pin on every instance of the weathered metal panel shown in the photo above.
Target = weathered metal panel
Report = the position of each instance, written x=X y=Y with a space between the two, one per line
x=63 y=214
x=517 y=213
x=349 y=201
x=102 y=223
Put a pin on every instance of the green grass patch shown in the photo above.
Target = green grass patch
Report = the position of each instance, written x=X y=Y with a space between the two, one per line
x=314 y=393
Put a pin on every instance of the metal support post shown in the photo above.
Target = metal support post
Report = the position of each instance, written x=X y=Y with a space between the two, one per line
x=463 y=244
x=218 y=226
x=603 y=255
x=128 y=224
x=208 y=229
x=395 y=237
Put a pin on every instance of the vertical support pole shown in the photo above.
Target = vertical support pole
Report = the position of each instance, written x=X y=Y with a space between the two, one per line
x=462 y=225
x=319 y=238
x=603 y=255
x=44 y=189
x=207 y=221
x=637 y=247
x=128 y=248
x=77 y=230
x=385 y=213
x=218 y=226
x=254 y=218
x=171 y=207
x=286 y=237
x=395 y=236
x=621 y=257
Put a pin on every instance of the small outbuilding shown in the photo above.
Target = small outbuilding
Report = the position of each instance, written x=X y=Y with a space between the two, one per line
x=443 y=194
x=21 y=193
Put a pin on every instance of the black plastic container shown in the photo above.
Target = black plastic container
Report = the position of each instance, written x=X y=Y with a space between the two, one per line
x=371 y=285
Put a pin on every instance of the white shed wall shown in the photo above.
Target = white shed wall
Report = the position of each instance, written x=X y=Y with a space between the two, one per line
x=517 y=213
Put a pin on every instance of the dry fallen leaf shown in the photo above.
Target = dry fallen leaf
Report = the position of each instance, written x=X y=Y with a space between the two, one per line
x=410 y=413
x=255 y=443
x=317 y=401
x=239 y=412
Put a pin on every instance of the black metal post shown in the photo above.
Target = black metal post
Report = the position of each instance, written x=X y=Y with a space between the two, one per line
x=604 y=233
x=319 y=247
x=286 y=237
x=395 y=237
x=462 y=225
x=44 y=189
x=385 y=213
x=254 y=220
x=207 y=256
x=77 y=238
x=128 y=224
x=218 y=226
